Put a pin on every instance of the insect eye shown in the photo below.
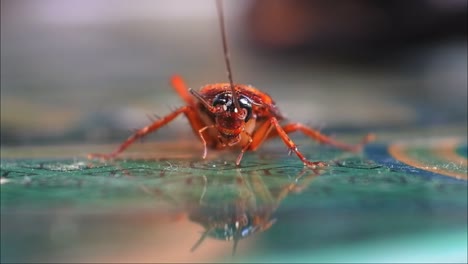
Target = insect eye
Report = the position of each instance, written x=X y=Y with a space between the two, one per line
x=217 y=102
x=222 y=100
x=226 y=101
x=247 y=105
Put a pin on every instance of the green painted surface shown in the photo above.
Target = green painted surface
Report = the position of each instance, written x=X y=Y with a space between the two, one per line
x=357 y=209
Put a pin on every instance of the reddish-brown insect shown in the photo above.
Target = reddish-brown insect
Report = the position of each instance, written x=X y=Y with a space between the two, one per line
x=228 y=115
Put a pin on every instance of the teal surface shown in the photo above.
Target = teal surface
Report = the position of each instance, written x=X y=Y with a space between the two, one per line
x=363 y=208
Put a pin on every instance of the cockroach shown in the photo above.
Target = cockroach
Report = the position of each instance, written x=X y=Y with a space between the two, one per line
x=234 y=115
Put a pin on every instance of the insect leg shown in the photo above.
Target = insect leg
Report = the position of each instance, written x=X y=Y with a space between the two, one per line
x=255 y=140
x=292 y=146
x=260 y=135
x=244 y=148
x=316 y=135
x=187 y=110
x=181 y=88
x=200 y=132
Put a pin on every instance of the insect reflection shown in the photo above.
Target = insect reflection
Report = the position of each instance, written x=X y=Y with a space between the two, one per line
x=232 y=206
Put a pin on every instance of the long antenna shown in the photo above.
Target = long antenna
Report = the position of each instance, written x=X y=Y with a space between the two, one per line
x=202 y=238
x=219 y=6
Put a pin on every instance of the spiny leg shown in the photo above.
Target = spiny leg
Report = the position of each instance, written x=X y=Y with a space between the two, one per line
x=181 y=88
x=187 y=110
x=292 y=146
x=264 y=132
x=316 y=135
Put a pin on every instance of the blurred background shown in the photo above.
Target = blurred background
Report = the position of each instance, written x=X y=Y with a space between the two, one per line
x=89 y=71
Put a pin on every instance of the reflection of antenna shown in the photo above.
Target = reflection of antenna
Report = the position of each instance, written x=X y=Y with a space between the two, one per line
x=236 y=239
x=202 y=238
x=219 y=6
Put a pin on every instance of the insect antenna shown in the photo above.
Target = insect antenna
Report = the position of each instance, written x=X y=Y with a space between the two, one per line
x=219 y=6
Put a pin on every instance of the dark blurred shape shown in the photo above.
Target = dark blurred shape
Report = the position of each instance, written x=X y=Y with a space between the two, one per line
x=245 y=206
x=353 y=27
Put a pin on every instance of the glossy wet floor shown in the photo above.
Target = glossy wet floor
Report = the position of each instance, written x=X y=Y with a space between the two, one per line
x=153 y=206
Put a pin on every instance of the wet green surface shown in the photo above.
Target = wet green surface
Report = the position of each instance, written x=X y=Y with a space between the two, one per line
x=360 y=208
